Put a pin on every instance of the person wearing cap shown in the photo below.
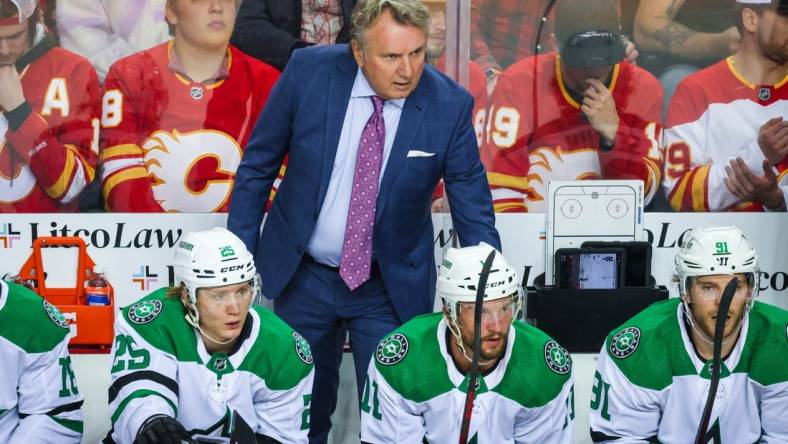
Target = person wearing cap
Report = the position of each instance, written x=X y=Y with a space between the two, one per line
x=191 y=361
x=653 y=372
x=583 y=112
x=49 y=109
x=726 y=137
x=417 y=382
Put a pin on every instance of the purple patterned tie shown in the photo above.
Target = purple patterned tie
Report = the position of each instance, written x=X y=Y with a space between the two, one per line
x=357 y=248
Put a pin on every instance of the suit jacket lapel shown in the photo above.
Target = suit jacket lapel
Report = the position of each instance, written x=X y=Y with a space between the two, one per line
x=339 y=87
x=413 y=113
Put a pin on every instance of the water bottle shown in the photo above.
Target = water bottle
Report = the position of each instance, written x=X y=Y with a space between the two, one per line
x=98 y=287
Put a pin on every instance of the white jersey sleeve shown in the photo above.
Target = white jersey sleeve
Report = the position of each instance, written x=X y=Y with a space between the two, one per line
x=774 y=411
x=284 y=414
x=144 y=383
x=49 y=401
x=387 y=417
x=622 y=412
x=552 y=423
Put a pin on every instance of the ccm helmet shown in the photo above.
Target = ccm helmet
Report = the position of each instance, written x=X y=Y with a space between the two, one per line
x=459 y=277
x=212 y=258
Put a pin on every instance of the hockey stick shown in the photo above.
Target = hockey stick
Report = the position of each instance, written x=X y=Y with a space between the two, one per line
x=719 y=330
x=477 y=345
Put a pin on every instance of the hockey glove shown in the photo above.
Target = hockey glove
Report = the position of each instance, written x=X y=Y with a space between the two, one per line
x=161 y=429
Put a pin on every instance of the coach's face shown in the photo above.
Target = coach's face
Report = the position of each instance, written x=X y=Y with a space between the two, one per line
x=203 y=23
x=392 y=57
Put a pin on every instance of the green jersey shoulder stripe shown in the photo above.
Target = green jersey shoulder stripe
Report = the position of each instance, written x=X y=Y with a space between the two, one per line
x=529 y=366
x=421 y=374
x=29 y=322
x=280 y=356
x=766 y=347
x=160 y=321
x=651 y=340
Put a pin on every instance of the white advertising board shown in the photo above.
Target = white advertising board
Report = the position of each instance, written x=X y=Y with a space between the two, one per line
x=136 y=249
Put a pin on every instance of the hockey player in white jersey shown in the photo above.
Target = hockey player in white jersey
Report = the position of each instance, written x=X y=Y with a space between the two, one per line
x=188 y=359
x=418 y=379
x=653 y=373
x=39 y=399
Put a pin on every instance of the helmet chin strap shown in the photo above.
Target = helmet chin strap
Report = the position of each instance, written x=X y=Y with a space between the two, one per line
x=196 y=325
x=703 y=336
x=455 y=331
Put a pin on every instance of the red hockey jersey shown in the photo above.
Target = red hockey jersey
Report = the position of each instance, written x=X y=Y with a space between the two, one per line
x=534 y=138
x=47 y=162
x=715 y=116
x=170 y=144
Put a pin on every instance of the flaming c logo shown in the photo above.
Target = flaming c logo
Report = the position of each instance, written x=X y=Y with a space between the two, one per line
x=554 y=164
x=192 y=172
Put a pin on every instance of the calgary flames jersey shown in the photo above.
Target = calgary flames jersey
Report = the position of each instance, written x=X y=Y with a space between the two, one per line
x=533 y=137
x=714 y=117
x=170 y=144
x=48 y=160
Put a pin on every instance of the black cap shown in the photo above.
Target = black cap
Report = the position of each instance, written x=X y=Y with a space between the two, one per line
x=589 y=33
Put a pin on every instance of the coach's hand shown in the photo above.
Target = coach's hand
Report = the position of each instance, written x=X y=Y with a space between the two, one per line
x=162 y=429
x=747 y=186
x=773 y=140
x=11 y=94
x=600 y=110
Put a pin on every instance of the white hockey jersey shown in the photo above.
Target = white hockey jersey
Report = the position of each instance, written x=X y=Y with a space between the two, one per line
x=160 y=366
x=414 y=392
x=39 y=399
x=714 y=117
x=651 y=386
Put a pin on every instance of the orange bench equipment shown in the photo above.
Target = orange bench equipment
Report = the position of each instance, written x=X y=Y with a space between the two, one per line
x=93 y=323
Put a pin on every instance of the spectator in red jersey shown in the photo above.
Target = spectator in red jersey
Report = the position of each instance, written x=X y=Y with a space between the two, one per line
x=582 y=113
x=176 y=117
x=104 y=31
x=726 y=137
x=270 y=30
x=49 y=105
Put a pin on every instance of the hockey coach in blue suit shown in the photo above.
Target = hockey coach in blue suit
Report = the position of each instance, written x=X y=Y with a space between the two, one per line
x=347 y=246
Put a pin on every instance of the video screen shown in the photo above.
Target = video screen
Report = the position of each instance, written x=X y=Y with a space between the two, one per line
x=588 y=270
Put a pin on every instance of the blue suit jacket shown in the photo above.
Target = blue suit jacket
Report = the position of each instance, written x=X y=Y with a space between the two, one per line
x=303 y=118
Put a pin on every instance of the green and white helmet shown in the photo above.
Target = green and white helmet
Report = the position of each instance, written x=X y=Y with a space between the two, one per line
x=213 y=258
x=714 y=251
x=459 y=277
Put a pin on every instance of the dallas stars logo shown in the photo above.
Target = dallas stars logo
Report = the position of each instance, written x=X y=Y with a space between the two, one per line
x=625 y=342
x=55 y=315
x=302 y=348
x=392 y=350
x=144 y=312
x=557 y=358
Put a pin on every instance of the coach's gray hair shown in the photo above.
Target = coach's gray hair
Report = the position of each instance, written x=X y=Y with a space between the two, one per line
x=405 y=12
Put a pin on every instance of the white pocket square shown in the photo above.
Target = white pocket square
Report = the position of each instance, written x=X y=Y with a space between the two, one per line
x=418 y=153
